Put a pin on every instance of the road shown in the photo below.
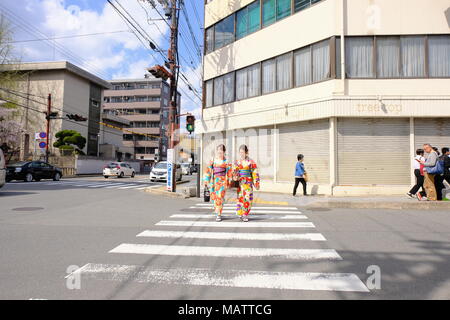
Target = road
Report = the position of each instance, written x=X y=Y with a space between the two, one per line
x=91 y=238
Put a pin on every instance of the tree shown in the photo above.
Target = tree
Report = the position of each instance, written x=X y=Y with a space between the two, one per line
x=70 y=141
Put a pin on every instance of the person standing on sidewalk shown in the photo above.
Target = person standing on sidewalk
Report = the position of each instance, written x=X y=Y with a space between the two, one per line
x=217 y=179
x=430 y=162
x=245 y=171
x=418 y=174
x=446 y=164
x=300 y=174
x=439 y=179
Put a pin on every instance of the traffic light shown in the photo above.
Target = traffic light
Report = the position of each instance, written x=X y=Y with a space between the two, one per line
x=76 y=117
x=159 y=72
x=190 y=124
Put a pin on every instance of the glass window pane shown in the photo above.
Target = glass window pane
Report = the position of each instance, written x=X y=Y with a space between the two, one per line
x=218 y=91
x=228 y=87
x=241 y=23
x=254 y=17
x=321 y=61
x=302 y=66
x=284 y=71
x=209 y=93
x=209 y=40
x=224 y=32
x=268 y=74
x=338 y=58
x=388 y=57
x=413 y=56
x=301 y=4
x=241 y=84
x=439 y=56
x=359 y=57
x=254 y=80
x=268 y=12
x=314 y=1
x=283 y=8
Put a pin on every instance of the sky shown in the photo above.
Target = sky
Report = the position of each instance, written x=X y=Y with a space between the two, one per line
x=113 y=52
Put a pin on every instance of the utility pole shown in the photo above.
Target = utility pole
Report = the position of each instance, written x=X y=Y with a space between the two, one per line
x=173 y=90
x=49 y=112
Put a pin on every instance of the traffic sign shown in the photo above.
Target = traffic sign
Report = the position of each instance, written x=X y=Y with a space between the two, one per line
x=42 y=145
x=40 y=135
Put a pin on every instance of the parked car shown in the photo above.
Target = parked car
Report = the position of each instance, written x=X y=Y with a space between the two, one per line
x=2 y=169
x=32 y=170
x=187 y=168
x=118 y=169
x=159 y=172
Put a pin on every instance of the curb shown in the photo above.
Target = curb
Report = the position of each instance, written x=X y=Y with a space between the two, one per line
x=381 y=205
x=163 y=192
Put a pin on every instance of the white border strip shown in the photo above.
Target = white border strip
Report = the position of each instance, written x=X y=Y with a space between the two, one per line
x=253 y=217
x=237 y=224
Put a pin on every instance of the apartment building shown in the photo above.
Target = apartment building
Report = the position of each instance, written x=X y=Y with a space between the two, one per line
x=353 y=85
x=73 y=91
x=144 y=103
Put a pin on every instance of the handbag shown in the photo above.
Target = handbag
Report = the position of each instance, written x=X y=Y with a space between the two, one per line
x=206 y=195
x=305 y=176
x=437 y=169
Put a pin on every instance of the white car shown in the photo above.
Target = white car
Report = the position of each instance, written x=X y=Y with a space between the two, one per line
x=118 y=169
x=159 y=172
x=2 y=169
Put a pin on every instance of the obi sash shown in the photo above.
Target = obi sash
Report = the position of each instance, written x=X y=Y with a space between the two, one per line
x=219 y=171
x=245 y=173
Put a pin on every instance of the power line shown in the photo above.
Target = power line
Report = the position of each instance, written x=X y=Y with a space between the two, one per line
x=69 y=37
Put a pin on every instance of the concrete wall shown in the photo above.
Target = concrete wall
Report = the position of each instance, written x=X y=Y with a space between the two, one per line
x=87 y=165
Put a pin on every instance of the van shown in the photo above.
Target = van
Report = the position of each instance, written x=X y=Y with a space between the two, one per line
x=2 y=169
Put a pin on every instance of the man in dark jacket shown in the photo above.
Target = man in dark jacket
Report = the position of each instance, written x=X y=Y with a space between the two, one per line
x=446 y=156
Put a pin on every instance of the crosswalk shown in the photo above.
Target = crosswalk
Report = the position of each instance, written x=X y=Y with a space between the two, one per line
x=134 y=185
x=268 y=227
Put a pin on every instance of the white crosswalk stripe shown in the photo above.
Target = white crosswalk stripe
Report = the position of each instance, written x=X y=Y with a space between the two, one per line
x=267 y=248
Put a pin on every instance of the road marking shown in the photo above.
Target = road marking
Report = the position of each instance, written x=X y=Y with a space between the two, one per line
x=116 y=185
x=260 y=216
x=99 y=185
x=237 y=224
x=232 y=235
x=130 y=186
x=227 y=278
x=230 y=252
x=234 y=205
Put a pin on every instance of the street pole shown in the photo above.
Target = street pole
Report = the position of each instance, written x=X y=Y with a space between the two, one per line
x=173 y=89
x=49 y=110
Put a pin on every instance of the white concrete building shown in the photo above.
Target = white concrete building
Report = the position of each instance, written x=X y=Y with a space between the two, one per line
x=279 y=65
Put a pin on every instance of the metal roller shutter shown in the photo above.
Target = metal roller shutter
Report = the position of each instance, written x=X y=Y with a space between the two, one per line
x=433 y=131
x=373 y=151
x=260 y=143
x=310 y=138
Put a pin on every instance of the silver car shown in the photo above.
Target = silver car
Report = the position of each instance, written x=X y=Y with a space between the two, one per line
x=159 y=172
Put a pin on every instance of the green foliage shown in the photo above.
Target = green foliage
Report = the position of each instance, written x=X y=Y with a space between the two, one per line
x=68 y=140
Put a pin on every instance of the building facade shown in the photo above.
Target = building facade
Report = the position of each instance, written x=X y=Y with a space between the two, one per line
x=354 y=85
x=73 y=91
x=144 y=103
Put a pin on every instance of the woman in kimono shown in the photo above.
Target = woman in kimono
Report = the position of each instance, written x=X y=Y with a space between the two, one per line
x=217 y=179
x=246 y=172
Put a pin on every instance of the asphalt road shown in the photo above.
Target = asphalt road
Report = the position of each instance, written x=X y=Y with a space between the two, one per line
x=124 y=243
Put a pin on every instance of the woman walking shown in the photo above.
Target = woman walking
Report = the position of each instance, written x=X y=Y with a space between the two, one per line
x=300 y=174
x=245 y=171
x=418 y=172
x=217 y=179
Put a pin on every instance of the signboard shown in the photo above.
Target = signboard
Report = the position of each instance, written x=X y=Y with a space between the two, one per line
x=170 y=164
x=40 y=135
x=42 y=145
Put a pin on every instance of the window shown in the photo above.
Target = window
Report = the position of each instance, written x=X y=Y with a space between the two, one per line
x=254 y=17
x=359 y=57
x=209 y=93
x=254 y=80
x=228 y=88
x=242 y=23
x=302 y=59
x=388 y=57
x=143 y=86
x=218 y=91
x=106 y=99
x=156 y=86
x=439 y=56
x=241 y=84
x=268 y=76
x=321 y=60
x=283 y=8
x=210 y=39
x=268 y=12
x=413 y=56
x=338 y=58
x=224 y=32
x=301 y=4
x=284 y=71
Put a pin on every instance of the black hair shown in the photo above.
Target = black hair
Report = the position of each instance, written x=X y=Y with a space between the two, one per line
x=300 y=157
x=437 y=150
x=221 y=147
x=243 y=147
x=420 y=152
x=445 y=150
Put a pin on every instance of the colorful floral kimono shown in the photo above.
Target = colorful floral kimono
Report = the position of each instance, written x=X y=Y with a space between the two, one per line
x=247 y=172
x=218 y=176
